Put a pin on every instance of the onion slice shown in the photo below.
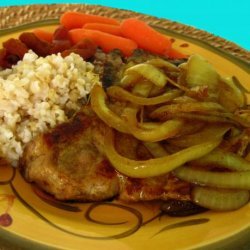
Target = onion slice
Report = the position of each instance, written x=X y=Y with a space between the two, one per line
x=219 y=157
x=149 y=72
x=160 y=63
x=201 y=107
x=124 y=95
x=206 y=117
x=159 y=132
x=231 y=96
x=156 y=149
x=201 y=72
x=98 y=104
x=231 y=180
x=209 y=132
x=153 y=167
x=220 y=199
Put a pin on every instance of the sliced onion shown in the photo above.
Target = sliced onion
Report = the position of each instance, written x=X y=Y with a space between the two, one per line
x=153 y=167
x=208 y=117
x=142 y=88
x=190 y=128
x=149 y=72
x=160 y=63
x=160 y=132
x=154 y=132
x=155 y=91
x=98 y=104
x=156 y=149
x=148 y=125
x=231 y=180
x=201 y=107
x=124 y=95
x=230 y=95
x=184 y=99
x=129 y=79
x=220 y=199
x=201 y=72
x=209 y=132
x=240 y=86
x=224 y=159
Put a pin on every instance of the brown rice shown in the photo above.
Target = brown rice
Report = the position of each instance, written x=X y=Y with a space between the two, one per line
x=37 y=94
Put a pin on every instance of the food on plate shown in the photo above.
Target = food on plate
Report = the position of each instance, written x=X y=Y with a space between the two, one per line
x=155 y=126
x=107 y=28
x=14 y=49
x=69 y=162
x=107 y=42
x=44 y=35
x=39 y=93
x=87 y=30
x=146 y=37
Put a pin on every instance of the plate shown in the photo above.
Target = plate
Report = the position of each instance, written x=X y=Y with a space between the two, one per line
x=34 y=221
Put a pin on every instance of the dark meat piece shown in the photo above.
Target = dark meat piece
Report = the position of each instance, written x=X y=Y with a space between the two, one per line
x=108 y=66
x=69 y=163
x=85 y=48
x=61 y=34
x=15 y=47
x=60 y=46
x=41 y=48
x=3 y=59
x=13 y=50
x=140 y=56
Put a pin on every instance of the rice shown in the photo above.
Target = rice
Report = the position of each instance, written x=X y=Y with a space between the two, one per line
x=37 y=94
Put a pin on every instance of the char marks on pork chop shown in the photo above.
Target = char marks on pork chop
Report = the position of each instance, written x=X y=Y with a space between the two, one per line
x=69 y=163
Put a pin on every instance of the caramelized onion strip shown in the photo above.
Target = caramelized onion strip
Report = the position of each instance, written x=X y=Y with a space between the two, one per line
x=153 y=167
x=124 y=95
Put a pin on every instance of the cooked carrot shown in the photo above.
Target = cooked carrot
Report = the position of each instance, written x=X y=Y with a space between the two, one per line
x=73 y=20
x=44 y=35
x=107 y=28
x=76 y=35
x=146 y=37
x=175 y=54
x=104 y=40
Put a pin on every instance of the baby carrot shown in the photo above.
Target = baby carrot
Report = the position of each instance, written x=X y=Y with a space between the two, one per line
x=107 y=28
x=76 y=35
x=146 y=37
x=72 y=20
x=43 y=35
x=175 y=54
x=104 y=40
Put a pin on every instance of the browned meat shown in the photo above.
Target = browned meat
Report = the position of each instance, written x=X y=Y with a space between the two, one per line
x=69 y=163
x=108 y=66
x=157 y=188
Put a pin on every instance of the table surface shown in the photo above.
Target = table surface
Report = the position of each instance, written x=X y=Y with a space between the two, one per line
x=222 y=18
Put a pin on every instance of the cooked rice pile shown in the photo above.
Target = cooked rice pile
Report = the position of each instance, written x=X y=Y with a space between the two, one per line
x=37 y=94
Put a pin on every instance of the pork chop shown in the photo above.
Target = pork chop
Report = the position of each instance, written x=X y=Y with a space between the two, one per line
x=69 y=163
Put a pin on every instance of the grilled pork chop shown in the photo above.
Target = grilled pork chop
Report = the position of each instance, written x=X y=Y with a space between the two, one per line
x=69 y=163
